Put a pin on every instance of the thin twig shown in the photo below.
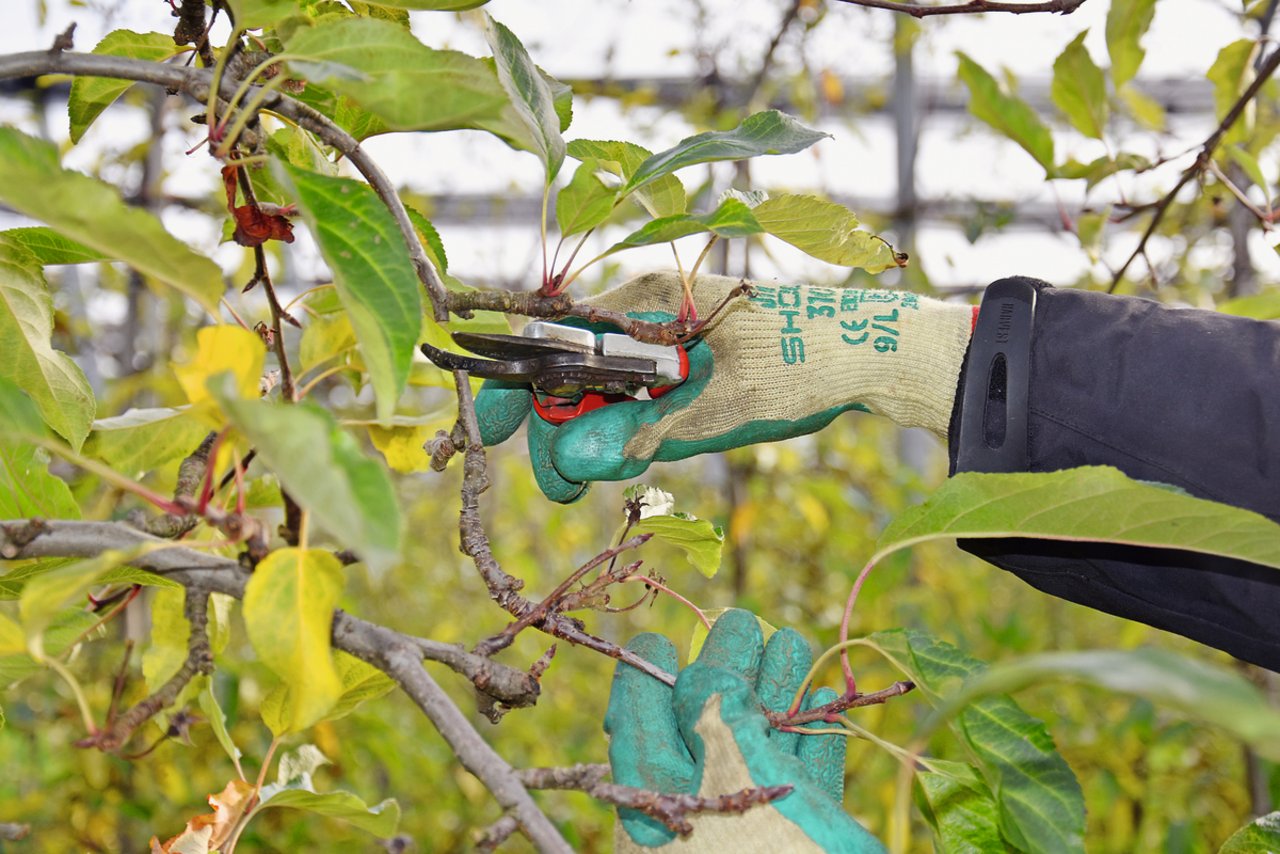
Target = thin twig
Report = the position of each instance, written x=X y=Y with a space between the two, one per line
x=540 y=611
x=827 y=711
x=973 y=7
x=1202 y=160
x=199 y=661
x=503 y=588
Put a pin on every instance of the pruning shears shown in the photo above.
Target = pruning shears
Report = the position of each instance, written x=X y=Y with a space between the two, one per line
x=572 y=371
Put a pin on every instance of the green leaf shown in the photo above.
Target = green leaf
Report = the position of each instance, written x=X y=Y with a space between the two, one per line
x=288 y=612
x=12 y=640
x=1079 y=89
x=143 y=440
x=325 y=471
x=731 y=219
x=824 y=229
x=1171 y=681
x=430 y=238
x=46 y=246
x=1263 y=306
x=13 y=582
x=360 y=682
x=769 y=132
x=1145 y=110
x=256 y=14
x=701 y=542
x=1040 y=801
x=435 y=5
x=91 y=95
x=1261 y=836
x=662 y=197
x=379 y=289
x=1127 y=23
x=1249 y=164
x=380 y=819
x=529 y=92
x=1007 y=113
x=586 y=202
x=47 y=594
x=1095 y=171
x=392 y=70
x=27 y=358
x=959 y=808
x=1090 y=504
x=91 y=212
x=65 y=629
x=19 y=417
x=217 y=721
x=28 y=488
x=1231 y=73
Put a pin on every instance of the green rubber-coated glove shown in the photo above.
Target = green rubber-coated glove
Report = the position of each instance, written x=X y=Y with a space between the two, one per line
x=708 y=736
x=781 y=363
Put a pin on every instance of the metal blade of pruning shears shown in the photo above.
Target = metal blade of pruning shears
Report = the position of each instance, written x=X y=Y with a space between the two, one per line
x=571 y=370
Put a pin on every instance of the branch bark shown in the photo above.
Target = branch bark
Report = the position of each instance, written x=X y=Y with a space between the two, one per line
x=195 y=82
x=973 y=7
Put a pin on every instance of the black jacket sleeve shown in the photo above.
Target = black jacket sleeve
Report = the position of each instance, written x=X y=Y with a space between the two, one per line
x=1184 y=397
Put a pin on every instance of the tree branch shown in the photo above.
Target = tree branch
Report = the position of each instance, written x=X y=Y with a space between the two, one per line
x=1202 y=160
x=398 y=655
x=504 y=588
x=533 y=304
x=973 y=7
x=195 y=82
x=199 y=661
x=669 y=808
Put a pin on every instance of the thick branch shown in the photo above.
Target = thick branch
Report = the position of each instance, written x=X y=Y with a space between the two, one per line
x=403 y=665
x=974 y=7
x=195 y=82
x=213 y=574
x=1202 y=159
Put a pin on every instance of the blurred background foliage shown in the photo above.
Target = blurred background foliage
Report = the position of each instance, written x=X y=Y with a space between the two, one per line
x=800 y=517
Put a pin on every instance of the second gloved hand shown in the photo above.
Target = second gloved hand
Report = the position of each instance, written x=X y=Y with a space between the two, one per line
x=783 y=362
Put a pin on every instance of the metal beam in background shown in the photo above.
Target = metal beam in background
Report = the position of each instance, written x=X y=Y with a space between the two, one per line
x=1178 y=96
x=486 y=209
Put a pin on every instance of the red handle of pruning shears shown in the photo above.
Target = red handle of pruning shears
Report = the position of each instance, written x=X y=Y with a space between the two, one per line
x=559 y=410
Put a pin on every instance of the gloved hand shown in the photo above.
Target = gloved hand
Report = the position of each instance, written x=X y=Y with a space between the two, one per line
x=709 y=737
x=782 y=363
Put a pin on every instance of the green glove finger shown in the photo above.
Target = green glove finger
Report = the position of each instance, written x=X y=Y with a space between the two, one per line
x=782 y=670
x=553 y=485
x=808 y=806
x=645 y=747
x=823 y=755
x=736 y=643
x=500 y=407
x=593 y=446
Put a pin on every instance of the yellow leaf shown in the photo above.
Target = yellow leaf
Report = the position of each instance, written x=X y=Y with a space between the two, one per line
x=401 y=445
x=223 y=349
x=288 y=611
